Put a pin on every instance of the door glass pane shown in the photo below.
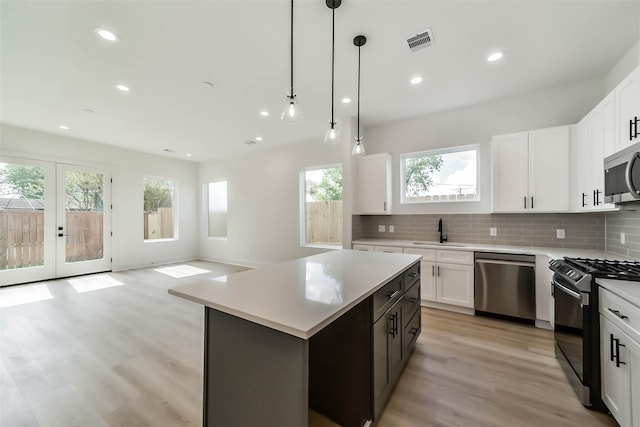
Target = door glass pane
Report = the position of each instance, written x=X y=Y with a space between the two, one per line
x=21 y=216
x=84 y=215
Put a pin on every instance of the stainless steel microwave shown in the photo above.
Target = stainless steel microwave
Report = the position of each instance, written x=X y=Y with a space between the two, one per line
x=622 y=176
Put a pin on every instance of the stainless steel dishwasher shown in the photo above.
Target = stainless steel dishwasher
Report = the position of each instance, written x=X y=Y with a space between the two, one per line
x=505 y=285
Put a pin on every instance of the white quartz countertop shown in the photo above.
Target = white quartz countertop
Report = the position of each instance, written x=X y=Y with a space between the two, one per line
x=625 y=289
x=476 y=247
x=301 y=296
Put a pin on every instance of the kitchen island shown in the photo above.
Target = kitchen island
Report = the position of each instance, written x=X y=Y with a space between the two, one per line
x=295 y=335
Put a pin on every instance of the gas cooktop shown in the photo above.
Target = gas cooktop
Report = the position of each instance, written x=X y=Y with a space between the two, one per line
x=605 y=268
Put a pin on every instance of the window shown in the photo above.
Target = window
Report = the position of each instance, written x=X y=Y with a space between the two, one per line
x=217 y=209
x=322 y=207
x=159 y=208
x=440 y=175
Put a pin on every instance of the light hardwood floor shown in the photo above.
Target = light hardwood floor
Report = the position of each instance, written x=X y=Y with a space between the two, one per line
x=131 y=355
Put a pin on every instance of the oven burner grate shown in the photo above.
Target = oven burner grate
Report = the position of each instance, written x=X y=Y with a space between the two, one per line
x=610 y=269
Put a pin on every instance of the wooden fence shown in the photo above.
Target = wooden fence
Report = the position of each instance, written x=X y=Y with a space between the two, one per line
x=22 y=237
x=158 y=225
x=324 y=222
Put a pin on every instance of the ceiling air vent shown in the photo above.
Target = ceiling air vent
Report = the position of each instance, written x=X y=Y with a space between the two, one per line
x=421 y=40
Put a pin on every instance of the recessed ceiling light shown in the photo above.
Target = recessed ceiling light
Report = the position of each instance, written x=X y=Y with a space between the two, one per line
x=264 y=113
x=188 y=154
x=415 y=80
x=258 y=138
x=88 y=111
x=64 y=127
x=106 y=34
x=346 y=100
x=122 y=88
x=495 y=56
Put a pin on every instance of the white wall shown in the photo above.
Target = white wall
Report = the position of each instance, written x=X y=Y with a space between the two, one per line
x=128 y=169
x=623 y=67
x=263 y=202
x=476 y=125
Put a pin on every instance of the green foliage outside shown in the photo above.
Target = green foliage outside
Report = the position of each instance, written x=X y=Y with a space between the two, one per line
x=158 y=193
x=84 y=191
x=418 y=171
x=329 y=187
x=25 y=180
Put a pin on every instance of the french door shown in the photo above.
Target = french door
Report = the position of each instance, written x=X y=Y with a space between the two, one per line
x=55 y=220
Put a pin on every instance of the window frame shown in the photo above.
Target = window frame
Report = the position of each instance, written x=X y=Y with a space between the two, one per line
x=445 y=150
x=303 y=206
x=174 y=207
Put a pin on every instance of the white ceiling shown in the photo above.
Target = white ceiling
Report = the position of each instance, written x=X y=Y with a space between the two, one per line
x=53 y=66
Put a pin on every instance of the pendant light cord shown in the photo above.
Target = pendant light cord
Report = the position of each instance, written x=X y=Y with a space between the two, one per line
x=358 y=136
x=333 y=53
x=291 y=93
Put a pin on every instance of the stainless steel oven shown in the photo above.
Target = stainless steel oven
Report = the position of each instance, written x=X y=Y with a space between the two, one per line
x=572 y=333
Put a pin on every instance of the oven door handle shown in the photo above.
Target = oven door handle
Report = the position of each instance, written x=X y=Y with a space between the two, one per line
x=583 y=298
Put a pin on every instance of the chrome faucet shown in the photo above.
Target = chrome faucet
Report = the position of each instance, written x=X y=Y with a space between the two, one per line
x=442 y=239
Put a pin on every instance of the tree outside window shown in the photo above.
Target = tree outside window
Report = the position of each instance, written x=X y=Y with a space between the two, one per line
x=440 y=175
x=159 y=212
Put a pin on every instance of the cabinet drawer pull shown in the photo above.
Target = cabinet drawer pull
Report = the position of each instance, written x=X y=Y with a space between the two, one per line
x=412 y=275
x=617 y=313
x=413 y=331
x=392 y=295
x=413 y=300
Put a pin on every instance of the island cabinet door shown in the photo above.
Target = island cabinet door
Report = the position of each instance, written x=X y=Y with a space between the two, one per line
x=381 y=372
x=396 y=356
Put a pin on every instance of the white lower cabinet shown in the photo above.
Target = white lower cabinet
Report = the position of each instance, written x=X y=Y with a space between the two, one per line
x=620 y=358
x=446 y=276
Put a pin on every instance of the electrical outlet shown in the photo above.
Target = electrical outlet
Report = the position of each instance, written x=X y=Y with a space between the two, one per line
x=493 y=231
x=391 y=229
x=382 y=228
x=622 y=238
x=560 y=233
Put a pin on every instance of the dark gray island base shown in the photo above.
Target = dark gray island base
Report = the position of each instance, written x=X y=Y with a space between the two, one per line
x=343 y=368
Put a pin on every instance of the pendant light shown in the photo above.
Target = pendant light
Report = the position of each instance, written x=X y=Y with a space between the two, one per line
x=333 y=134
x=291 y=113
x=358 y=147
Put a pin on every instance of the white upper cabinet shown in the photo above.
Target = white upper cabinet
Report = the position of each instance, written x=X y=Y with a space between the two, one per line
x=375 y=184
x=627 y=101
x=591 y=139
x=530 y=171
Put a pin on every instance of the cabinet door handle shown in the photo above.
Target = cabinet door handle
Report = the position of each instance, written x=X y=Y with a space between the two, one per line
x=433 y=270
x=438 y=271
x=384 y=206
x=612 y=348
x=584 y=195
x=618 y=345
x=531 y=202
x=617 y=313
x=525 y=202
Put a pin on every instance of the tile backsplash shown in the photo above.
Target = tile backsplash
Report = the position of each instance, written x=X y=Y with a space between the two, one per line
x=627 y=222
x=582 y=231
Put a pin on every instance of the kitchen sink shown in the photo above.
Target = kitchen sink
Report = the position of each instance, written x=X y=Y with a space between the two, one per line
x=452 y=245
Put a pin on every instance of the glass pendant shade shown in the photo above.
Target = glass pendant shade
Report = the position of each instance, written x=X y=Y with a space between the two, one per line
x=292 y=113
x=333 y=135
x=358 y=148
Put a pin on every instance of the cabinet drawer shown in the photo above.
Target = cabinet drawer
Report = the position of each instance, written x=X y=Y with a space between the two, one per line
x=367 y=248
x=622 y=313
x=455 y=257
x=411 y=276
x=411 y=302
x=412 y=331
x=392 y=249
x=427 y=254
x=386 y=296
